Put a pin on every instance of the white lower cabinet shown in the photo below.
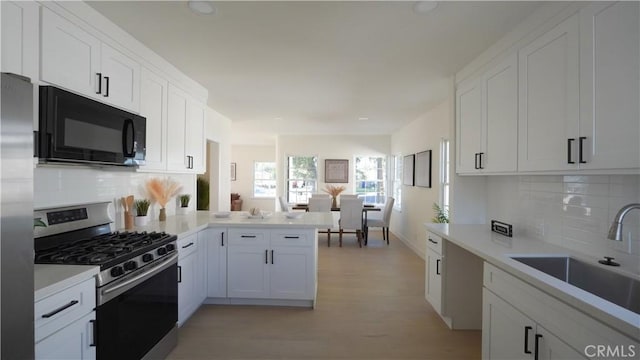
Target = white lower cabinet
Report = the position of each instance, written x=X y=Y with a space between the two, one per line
x=216 y=244
x=521 y=322
x=64 y=323
x=191 y=276
x=271 y=264
x=433 y=272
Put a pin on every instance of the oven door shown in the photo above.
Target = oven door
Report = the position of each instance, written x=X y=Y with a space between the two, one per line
x=140 y=314
x=78 y=129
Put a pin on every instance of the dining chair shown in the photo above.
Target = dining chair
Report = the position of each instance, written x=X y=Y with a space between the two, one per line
x=321 y=204
x=351 y=218
x=284 y=206
x=348 y=196
x=320 y=195
x=381 y=221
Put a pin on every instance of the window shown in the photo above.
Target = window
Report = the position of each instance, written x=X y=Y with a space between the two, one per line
x=302 y=178
x=444 y=174
x=264 y=179
x=397 y=181
x=370 y=178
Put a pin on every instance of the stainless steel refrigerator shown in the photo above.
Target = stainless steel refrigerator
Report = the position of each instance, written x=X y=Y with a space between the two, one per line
x=16 y=218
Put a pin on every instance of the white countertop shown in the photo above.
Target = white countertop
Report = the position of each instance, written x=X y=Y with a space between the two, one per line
x=50 y=279
x=497 y=250
x=198 y=220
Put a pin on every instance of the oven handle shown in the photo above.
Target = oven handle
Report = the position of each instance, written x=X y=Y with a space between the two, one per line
x=144 y=276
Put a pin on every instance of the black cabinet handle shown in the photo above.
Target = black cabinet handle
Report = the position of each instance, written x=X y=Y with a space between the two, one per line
x=248 y=236
x=266 y=256
x=186 y=246
x=535 y=355
x=569 y=141
x=437 y=266
x=480 y=160
x=179 y=274
x=62 y=308
x=475 y=161
x=581 y=140
x=271 y=257
x=106 y=93
x=526 y=339
x=222 y=238
x=99 y=75
x=292 y=237
x=93 y=334
x=433 y=241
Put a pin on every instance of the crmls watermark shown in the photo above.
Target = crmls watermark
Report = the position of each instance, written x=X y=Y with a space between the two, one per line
x=610 y=351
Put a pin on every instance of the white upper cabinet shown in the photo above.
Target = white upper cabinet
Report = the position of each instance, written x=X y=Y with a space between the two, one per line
x=487 y=121
x=70 y=56
x=76 y=60
x=120 y=79
x=153 y=106
x=610 y=85
x=20 y=38
x=549 y=99
x=176 y=123
x=194 y=135
x=469 y=126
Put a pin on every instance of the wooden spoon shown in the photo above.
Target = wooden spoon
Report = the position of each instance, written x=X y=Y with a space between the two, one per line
x=129 y=202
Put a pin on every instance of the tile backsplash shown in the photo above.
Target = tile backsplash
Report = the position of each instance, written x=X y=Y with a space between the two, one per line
x=571 y=211
x=69 y=185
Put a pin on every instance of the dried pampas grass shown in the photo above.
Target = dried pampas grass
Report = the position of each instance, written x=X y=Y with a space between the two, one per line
x=162 y=190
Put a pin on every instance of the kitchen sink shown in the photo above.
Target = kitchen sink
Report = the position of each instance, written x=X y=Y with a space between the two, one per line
x=616 y=288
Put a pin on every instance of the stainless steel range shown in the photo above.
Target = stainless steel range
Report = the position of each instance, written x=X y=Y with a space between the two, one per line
x=136 y=289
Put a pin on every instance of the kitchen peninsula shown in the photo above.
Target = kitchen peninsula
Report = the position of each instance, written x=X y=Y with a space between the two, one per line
x=243 y=260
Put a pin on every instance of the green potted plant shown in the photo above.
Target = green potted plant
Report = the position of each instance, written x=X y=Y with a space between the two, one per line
x=184 y=203
x=441 y=215
x=142 y=209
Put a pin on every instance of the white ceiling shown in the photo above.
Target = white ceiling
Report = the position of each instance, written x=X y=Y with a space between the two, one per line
x=302 y=67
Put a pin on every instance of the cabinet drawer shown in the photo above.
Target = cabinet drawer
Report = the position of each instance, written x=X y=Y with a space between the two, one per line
x=187 y=245
x=291 y=238
x=61 y=309
x=434 y=242
x=248 y=237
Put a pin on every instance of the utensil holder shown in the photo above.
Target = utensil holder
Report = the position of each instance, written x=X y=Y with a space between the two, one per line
x=128 y=220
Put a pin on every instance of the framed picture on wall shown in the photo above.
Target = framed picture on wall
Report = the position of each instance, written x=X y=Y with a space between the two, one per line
x=336 y=171
x=233 y=171
x=423 y=169
x=407 y=170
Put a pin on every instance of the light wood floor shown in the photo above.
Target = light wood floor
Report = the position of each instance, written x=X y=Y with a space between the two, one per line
x=370 y=306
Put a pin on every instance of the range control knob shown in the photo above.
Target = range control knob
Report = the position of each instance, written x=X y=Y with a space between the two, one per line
x=117 y=271
x=161 y=251
x=170 y=247
x=147 y=257
x=130 y=265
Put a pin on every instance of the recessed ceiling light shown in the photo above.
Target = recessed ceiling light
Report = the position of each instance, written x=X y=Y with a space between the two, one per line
x=423 y=7
x=202 y=7
x=363 y=118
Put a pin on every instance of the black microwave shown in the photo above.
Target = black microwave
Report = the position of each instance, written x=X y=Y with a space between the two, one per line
x=74 y=128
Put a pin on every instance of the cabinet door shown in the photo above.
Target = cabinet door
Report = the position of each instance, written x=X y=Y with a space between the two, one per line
x=176 y=121
x=196 y=114
x=187 y=302
x=247 y=271
x=506 y=332
x=550 y=347
x=217 y=262
x=153 y=106
x=292 y=272
x=121 y=79
x=549 y=100
x=433 y=278
x=469 y=126
x=610 y=89
x=74 y=341
x=20 y=25
x=70 y=56
x=500 y=123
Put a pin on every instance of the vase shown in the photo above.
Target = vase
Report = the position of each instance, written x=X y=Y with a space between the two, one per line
x=163 y=215
x=141 y=220
x=334 y=203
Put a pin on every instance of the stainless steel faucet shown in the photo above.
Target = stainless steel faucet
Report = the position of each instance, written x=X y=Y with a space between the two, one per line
x=615 y=231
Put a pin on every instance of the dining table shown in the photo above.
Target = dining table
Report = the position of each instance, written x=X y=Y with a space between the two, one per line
x=365 y=210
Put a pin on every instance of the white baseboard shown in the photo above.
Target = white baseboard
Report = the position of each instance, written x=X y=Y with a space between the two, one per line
x=410 y=245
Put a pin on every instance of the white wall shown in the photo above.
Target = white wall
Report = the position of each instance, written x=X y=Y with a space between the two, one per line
x=424 y=133
x=244 y=156
x=329 y=147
